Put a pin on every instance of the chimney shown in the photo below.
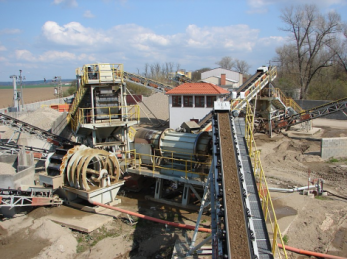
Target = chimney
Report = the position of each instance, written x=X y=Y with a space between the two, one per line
x=222 y=79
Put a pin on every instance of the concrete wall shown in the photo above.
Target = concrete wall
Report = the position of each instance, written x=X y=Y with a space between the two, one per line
x=14 y=181
x=59 y=124
x=309 y=104
x=333 y=147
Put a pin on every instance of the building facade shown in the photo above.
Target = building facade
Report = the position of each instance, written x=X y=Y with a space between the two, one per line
x=224 y=78
x=192 y=101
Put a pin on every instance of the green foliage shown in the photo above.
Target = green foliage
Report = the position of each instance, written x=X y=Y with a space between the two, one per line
x=70 y=91
x=91 y=239
x=285 y=239
x=335 y=160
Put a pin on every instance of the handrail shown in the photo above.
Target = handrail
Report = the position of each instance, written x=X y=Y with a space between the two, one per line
x=288 y=101
x=263 y=190
x=189 y=165
x=84 y=115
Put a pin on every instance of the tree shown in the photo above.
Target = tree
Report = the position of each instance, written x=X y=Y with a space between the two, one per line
x=241 y=66
x=226 y=62
x=339 y=47
x=312 y=34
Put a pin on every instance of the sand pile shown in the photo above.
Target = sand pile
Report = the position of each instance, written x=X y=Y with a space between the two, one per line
x=42 y=118
x=156 y=105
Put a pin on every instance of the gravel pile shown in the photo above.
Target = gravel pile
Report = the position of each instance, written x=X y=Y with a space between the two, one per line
x=6 y=168
x=155 y=106
x=42 y=118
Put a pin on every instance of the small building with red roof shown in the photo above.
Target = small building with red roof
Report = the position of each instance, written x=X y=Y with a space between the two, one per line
x=192 y=101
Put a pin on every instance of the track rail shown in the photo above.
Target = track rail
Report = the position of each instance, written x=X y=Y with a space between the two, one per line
x=22 y=126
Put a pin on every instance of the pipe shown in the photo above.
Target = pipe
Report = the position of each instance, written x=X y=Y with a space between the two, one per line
x=305 y=252
x=291 y=190
x=174 y=224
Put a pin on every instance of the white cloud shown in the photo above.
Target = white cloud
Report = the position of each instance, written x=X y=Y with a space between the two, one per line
x=135 y=40
x=73 y=34
x=10 y=31
x=23 y=54
x=88 y=14
x=67 y=3
x=2 y=48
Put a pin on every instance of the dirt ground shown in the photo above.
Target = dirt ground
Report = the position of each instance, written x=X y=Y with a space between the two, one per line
x=30 y=95
x=314 y=224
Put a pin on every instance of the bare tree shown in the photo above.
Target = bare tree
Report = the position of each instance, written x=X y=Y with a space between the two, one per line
x=339 y=47
x=146 y=72
x=241 y=66
x=226 y=62
x=312 y=33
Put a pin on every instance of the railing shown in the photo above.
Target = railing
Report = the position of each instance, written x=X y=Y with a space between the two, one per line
x=199 y=169
x=289 y=102
x=264 y=194
x=99 y=73
x=254 y=88
x=108 y=115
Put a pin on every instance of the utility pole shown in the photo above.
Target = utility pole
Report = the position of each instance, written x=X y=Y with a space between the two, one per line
x=59 y=88
x=15 y=93
x=21 y=89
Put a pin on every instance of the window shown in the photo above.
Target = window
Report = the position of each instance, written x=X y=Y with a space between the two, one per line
x=210 y=100
x=199 y=101
x=176 y=101
x=187 y=101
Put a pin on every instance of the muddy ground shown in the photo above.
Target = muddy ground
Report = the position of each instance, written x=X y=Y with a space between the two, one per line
x=314 y=224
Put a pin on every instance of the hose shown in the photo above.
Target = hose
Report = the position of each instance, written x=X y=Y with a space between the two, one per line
x=305 y=252
x=179 y=225
x=174 y=224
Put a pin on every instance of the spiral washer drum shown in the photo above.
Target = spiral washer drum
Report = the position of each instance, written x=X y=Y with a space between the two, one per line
x=180 y=145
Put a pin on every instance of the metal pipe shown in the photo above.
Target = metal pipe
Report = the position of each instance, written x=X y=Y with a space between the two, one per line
x=291 y=190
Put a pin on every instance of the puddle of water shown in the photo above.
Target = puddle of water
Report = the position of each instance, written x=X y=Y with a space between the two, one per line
x=282 y=210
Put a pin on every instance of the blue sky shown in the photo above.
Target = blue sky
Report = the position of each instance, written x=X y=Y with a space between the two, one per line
x=47 y=38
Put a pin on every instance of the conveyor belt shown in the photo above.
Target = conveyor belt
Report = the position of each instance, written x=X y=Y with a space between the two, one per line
x=30 y=129
x=14 y=149
x=311 y=114
x=248 y=84
x=146 y=82
x=240 y=231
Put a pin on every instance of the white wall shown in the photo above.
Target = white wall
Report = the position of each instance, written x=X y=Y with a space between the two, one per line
x=178 y=115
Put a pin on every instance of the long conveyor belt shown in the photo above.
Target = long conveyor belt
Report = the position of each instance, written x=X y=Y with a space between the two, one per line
x=22 y=126
x=240 y=230
x=310 y=114
x=248 y=84
x=147 y=82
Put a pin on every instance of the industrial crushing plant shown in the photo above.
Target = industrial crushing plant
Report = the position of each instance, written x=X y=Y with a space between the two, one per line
x=111 y=151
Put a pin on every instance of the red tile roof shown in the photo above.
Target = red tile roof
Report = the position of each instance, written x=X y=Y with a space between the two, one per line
x=198 y=88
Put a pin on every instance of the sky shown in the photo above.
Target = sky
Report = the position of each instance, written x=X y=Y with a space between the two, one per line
x=48 y=38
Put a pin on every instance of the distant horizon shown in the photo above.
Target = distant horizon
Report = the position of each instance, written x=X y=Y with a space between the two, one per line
x=31 y=82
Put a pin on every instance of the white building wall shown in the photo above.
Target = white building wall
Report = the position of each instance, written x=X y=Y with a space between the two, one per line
x=178 y=115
